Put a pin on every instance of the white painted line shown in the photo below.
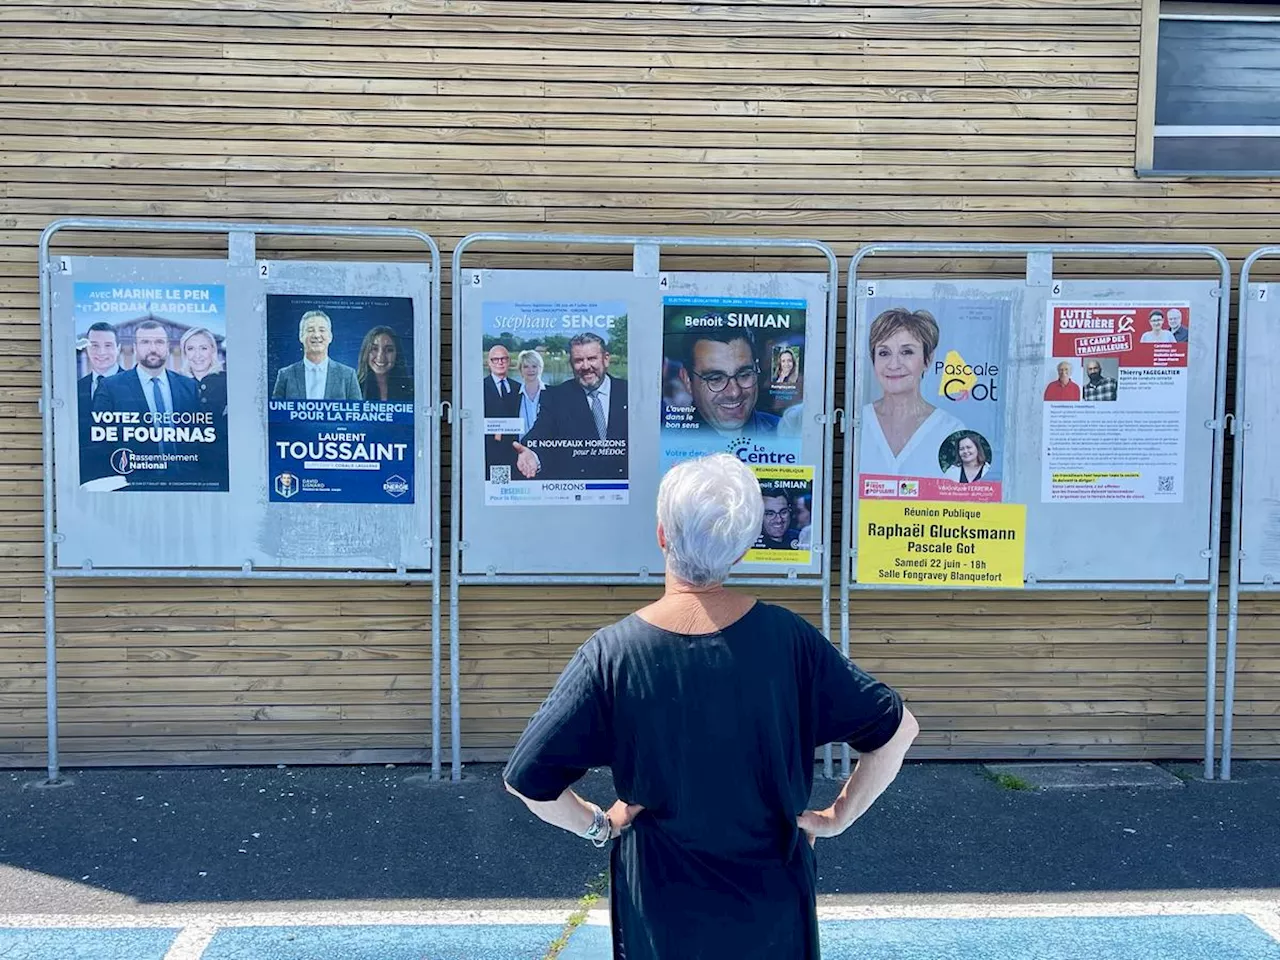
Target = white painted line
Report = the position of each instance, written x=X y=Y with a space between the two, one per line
x=1119 y=908
x=1268 y=920
x=191 y=942
x=285 y=918
x=1256 y=910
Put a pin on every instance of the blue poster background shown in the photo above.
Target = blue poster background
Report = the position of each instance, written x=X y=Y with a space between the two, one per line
x=123 y=445
x=355 y=448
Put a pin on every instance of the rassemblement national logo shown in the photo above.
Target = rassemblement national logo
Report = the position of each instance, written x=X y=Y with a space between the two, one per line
x=122 y=461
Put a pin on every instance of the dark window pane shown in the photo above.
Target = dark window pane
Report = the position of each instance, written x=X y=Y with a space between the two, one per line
x=1239 y=154
x=1217 y=73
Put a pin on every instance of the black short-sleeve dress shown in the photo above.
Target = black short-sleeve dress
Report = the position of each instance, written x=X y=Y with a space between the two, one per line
x=714 y=734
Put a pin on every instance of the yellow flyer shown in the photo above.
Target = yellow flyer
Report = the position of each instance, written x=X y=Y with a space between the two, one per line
x=786 y=531
x=949 y=544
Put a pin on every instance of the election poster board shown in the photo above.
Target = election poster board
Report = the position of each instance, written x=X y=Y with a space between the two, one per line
x=1260 y=472
x=1115 y=402
x=556 y=409
x=340 y=417
x=151 y=386
x=164 y=380
x=585 y=387
x=981 y=395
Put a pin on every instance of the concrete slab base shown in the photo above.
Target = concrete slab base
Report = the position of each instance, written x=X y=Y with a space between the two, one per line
x=1088 y=776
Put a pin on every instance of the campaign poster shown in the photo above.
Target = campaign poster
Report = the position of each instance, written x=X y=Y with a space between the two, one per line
x=1115 y=402
x=786 y=530
x=942 y=544
x=151 y=386
x=340 y=406
x=554 y=383
x=931 y=422
x=732 y=379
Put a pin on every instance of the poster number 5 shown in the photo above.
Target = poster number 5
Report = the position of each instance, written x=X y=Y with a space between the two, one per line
x=871 y=290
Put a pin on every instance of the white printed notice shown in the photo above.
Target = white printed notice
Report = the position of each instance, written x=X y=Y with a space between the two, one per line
x=1115 y=403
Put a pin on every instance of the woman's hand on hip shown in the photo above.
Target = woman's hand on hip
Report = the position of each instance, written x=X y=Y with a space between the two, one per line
x=622 y=814
x=819 y=823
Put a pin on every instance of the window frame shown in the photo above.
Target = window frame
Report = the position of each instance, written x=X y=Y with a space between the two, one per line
x=1153 y=12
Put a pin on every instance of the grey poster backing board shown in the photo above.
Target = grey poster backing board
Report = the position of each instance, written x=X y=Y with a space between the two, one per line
x=605 y=539
x=1259 y=478
x=1086 y=542
x=226 y=530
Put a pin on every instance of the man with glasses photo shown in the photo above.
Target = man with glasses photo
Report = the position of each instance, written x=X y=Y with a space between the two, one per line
x=721 y=371
x=777 y=531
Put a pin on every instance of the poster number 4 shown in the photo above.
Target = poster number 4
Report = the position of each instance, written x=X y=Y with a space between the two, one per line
x=664 y=281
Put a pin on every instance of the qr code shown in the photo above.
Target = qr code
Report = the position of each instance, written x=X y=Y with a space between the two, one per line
x=500 y=474
x=1164 y=484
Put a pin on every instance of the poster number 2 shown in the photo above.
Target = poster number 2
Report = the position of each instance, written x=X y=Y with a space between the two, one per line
x=264 y=270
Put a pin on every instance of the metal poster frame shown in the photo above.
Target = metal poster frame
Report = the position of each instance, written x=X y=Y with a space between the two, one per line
x=241 y=250
x=646 y=252
x=1039 y=273
x=1240 y=428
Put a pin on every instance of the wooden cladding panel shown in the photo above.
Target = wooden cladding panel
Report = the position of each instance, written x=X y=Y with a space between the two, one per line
x=842 y=121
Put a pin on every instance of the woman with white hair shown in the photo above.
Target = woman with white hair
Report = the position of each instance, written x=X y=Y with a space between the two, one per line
x=708 y=706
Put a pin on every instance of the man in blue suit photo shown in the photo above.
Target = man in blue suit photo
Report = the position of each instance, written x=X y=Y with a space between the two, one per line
x=316 y=376
x=590 y=407
x=149 y=388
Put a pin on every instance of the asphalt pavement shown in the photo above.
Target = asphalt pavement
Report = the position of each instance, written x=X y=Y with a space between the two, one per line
x=145 y=841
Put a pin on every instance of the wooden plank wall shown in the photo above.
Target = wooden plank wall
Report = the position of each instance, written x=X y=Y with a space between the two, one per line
x=847 y=122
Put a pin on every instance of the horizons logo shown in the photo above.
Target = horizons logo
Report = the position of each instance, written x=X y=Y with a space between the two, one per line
x=286 y=485
x=396 y=486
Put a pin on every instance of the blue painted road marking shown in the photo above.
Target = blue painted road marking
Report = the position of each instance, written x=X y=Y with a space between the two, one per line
x=1247 y=930
x=85 y=944
x=1220 y=937
x=384 y=942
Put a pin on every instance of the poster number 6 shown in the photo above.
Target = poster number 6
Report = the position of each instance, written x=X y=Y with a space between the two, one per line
x=1057 y=288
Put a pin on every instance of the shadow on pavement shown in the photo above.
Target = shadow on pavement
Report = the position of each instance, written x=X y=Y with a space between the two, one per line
x=176 y=836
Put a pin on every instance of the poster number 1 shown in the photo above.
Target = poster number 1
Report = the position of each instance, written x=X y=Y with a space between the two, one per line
x=64 y=264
